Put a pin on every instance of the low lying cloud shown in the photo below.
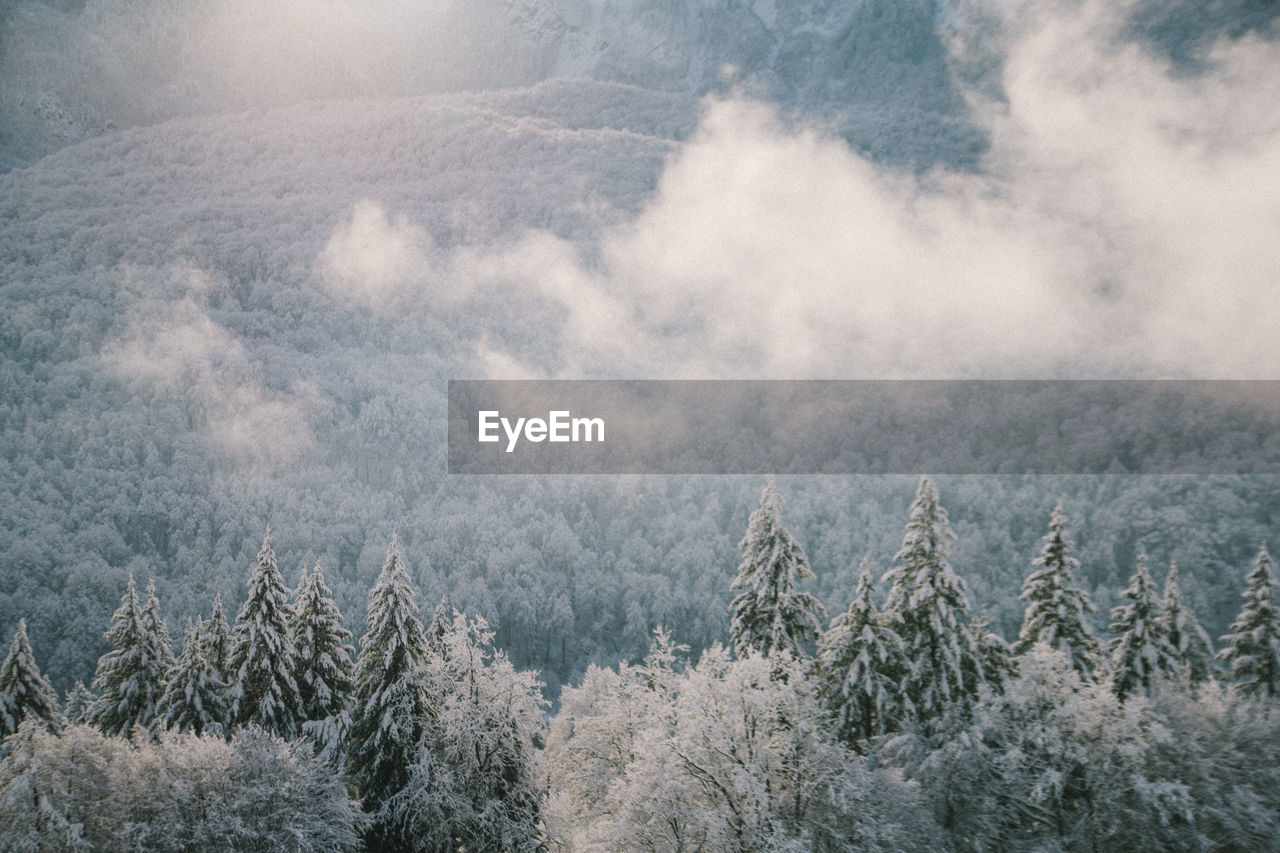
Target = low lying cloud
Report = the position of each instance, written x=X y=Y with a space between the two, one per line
x=178 y=352
x=370 y=258
x=1124 y=224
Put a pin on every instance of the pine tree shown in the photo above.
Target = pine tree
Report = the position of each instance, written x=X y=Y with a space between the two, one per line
x=1140 y=653
x=324 y=662
x=130 y=677
x=391 y=708
x=438 y=627
x=861 y=662
x=1251 y=650
x=928 y=607
x=216 y=640
x=78 y=703
x=195 y=698
x=1191 y=647
x=1056 y=609
x=768 y=613
x=995 y=653
x=263 y=659
x=24 y=691
x=155 y=632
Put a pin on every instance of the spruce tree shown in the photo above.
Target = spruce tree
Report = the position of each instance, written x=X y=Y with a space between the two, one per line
x=1192 y=649
x=216 y=640
x=929 y=609
x=195 y=698
x=768 y=614
x=263 y=660
x=1251 y=651
x=79 y=701
x=438 y=627
x=324 y=662
x=155 y=632
x=391 y=708
x=24 y=691
x=1140 y=653
x=861 y=662
x=995 y=653
x=130 y=677
x=1056 y=608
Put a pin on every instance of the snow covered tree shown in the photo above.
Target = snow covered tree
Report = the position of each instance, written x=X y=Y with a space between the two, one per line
x=438 y=627
x=130 y=677
x=1055 y=763
x=1251 y=650
x=768 y=613
x=24 y=691
x=195 y=698
x=928 y=608
x=216 y=640
x=82 y=791
x=1141 y=652
x=861 y=661
x=1191 y=647
x=154 y=630
x=391 y=710
x=994 y=652
x=730 y=756
x=324 y=663
x=1056 y=608
x=263 y=660
x=79 y=700
x=473 y=785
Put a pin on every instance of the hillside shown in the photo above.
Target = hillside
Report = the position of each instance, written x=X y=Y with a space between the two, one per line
x=233 y=285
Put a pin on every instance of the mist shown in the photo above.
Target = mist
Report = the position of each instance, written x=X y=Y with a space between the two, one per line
x=1122 y=225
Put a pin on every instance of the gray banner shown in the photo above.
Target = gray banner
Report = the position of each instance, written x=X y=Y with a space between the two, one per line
x=864 y=427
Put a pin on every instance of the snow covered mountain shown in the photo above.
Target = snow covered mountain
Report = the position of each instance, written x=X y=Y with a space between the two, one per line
x=869 y=67
x=242 y=245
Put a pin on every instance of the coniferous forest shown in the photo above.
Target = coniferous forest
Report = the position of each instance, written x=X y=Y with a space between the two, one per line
x=247 y=246
x=903 y=723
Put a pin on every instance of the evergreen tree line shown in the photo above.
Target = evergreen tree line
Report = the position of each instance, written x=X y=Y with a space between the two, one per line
x=909 y=725
x=431 y=727
x=906 y=724
x=924 y=652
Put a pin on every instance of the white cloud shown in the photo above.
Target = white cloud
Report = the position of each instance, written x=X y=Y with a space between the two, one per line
x=1124 y=224
x=370 y=258
x=182 y=354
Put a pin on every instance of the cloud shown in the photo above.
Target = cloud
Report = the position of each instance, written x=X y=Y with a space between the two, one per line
x=1123 y=225
x=176 y=351
x=370 y=258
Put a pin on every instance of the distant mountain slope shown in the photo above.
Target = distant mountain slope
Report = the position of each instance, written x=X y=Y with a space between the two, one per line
x=879 y=71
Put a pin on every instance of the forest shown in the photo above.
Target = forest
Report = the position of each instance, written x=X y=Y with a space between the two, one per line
x=245 y=247
x=902 y=723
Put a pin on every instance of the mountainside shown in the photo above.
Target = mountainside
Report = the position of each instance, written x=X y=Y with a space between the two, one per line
x=242 y=251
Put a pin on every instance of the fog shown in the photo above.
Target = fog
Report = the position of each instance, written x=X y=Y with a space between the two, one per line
x=1123 y=225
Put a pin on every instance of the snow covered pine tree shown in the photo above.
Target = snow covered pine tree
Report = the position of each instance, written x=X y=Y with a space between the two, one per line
x=263 y=661
x=391 y=707
x=1140 y=653
x=1192 y=650
x=1251 y=650
x=130 y=677
x=862 y=663
x=1056 y=609
x=24 y=691
x=928 y=608
x=195 y=698
x=324 y=663
x=768 y=614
